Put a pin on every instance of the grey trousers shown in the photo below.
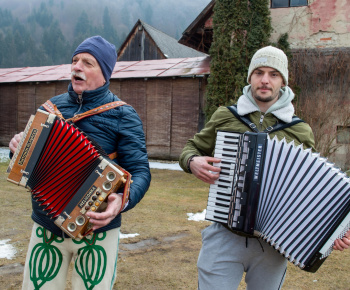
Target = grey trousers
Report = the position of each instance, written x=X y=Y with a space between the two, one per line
x=225 y=256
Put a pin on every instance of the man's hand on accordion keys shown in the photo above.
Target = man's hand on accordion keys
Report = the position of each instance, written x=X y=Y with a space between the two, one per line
x=101 y=219
x=201 y=168
x=342 y=244
x=15 y=141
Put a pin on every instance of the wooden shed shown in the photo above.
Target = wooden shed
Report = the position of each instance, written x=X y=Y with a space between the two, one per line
x=145 y=42
x=167 y=94
x=199 y=34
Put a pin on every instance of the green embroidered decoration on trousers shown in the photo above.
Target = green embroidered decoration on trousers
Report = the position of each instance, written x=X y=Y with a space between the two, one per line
x=45 y=259
x=91 y=261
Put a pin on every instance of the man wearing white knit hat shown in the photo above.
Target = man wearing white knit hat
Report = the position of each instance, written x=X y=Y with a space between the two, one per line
x=265 y=106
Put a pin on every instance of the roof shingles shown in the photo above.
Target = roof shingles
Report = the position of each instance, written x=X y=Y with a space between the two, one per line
x=181 y=67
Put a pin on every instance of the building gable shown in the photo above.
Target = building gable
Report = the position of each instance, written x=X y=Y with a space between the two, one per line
x=145 y=42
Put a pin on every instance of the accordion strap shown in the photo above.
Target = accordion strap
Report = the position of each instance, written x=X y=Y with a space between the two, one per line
x=251 y=125
x=52 y=108
x=97 y=110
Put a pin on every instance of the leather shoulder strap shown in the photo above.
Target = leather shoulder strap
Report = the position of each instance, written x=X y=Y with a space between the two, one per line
x=281 y=126
x=243 y=119
x=52 y=108
x=97 y=110
x=276 y=127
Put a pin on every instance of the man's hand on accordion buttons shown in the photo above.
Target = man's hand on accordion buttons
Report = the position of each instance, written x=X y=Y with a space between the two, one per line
x=342 y=244
x=101 y=219
x=15 y=141
x=201 y=168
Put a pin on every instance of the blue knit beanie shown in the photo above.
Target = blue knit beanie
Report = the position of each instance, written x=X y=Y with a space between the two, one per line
x=104 y=52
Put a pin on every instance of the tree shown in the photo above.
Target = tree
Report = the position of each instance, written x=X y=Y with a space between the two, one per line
x=42 y=16
x=55 y=44
x=83 y=29
x=9 y=51
x=109 y=31
x=323 y=79
x=240 y=28
x=5 y=18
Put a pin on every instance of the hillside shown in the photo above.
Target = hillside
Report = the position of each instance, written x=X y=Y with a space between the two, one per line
x=39 y=32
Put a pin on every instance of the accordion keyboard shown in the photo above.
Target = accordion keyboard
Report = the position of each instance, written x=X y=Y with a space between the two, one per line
x=227 y=149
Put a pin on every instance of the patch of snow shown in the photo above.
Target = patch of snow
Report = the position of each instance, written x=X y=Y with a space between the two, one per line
x=198 y=217
x=7 y=250
x=169 y=166
x=126 y=236
x=4 y=154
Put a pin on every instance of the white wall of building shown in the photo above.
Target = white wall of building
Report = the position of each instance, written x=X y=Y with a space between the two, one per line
x=323 y=23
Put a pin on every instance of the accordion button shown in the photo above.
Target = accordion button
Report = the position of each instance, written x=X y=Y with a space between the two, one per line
x=94 y=197
x=100 y=198
x=80 y=220
x=90 y=203
x=93 y=208
x=71 y=227
x=98 y=193
x=87 y=207
x=97 y=203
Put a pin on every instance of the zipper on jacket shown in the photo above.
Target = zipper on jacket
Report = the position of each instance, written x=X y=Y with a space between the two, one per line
x=80 y=102
x=261 y=120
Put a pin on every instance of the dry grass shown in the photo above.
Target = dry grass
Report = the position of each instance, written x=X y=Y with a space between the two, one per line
x=168 y=243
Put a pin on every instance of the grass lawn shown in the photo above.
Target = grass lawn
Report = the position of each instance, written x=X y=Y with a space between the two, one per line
x=164 y=254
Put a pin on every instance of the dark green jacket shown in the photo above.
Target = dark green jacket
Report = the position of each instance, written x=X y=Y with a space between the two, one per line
x=203 y=143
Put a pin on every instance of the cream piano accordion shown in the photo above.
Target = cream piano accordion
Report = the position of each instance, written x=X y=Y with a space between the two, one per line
x=67 y=173
x=289 y=197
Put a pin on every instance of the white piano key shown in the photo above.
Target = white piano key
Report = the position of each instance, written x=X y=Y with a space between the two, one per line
x=223 y=207
x=220 y=188
x=223 y=143
x=229 y=135
x=219 y=199
x=211 y=215
x=216 y=207
x=218 y=194
x=225 y=164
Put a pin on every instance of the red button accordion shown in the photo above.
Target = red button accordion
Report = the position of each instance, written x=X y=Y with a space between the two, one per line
x=66 y=172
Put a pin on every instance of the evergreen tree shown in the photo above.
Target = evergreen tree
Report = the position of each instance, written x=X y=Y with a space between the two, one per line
x=9 y=51
x=55 y=44
x=2 y=46
x=5 y=18
x=240 y=28
x=18 y=30
x=83 y=29
x=282 y=43
x=35 y=55
x=42 y=16
x=108 y=31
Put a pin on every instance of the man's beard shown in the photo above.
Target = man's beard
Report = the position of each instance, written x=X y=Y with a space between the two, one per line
x=264 y=99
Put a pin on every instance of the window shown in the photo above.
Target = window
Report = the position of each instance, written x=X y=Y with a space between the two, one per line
x=287 y=3
x=343 y=135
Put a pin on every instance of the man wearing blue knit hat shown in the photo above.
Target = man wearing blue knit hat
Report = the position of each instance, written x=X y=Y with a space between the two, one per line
x=103 y=57
x=117 y=130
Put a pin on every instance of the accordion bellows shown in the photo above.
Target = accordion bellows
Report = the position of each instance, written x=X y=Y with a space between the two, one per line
x=67 y=173
x=292 y=198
